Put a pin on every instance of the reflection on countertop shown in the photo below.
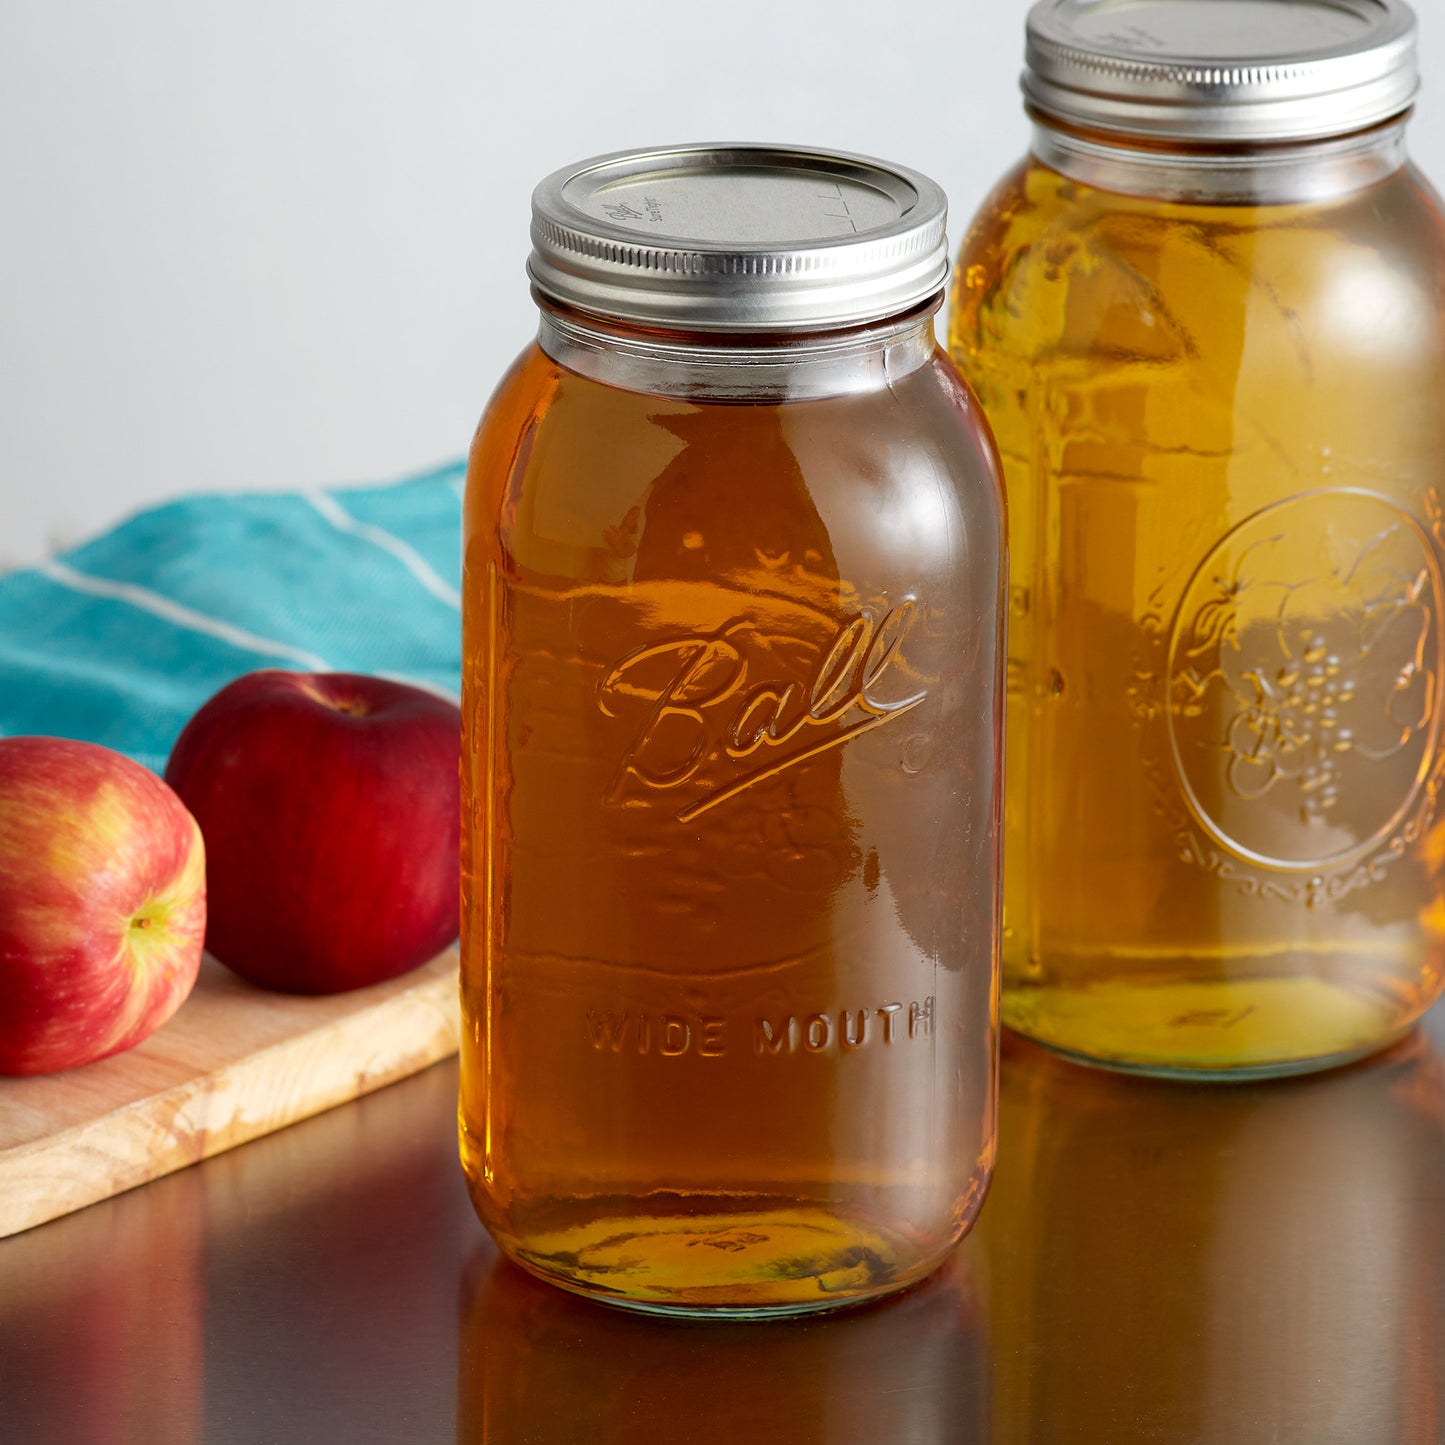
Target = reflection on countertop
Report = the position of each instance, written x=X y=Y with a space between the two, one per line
x=538 y=1364
x=1220 y=1262
x=1237 y=1264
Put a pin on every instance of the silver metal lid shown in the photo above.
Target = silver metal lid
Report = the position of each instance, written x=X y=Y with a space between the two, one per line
x=739 y=238
x=1222 y=70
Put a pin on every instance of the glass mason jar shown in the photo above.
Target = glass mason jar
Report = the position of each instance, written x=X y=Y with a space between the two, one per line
x=732 y=697
x=1205 y=320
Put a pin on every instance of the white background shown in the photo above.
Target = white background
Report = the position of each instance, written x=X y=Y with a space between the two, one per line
x=281 y=243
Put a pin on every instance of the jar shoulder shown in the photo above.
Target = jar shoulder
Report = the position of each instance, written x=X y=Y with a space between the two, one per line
x=498 y=448
x=1052 y=267
x=1039 y=221
x=564 y=458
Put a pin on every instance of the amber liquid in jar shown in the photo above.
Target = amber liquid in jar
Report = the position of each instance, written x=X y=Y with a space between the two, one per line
x=729 y=888
x=1223 y=439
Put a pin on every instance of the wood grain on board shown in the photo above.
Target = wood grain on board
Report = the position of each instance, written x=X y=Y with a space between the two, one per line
x=234 y=1063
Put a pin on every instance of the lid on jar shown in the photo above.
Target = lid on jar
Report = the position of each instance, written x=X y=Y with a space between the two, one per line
x=739 y=238
x=1221 y=70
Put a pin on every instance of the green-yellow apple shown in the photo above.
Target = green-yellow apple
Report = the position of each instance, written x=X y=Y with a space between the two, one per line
x=330 y=805
x=102 y=903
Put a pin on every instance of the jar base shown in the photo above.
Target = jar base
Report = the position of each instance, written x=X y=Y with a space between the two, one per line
x=722 y=1314
x=1214 y=1073
x=1244 y=1029
x=731 y=1264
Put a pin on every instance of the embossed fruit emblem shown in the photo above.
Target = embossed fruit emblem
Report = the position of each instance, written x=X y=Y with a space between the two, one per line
x=1304 y=679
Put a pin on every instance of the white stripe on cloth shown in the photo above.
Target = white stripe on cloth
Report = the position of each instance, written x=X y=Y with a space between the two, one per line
x=174 y=612
x=404 y=552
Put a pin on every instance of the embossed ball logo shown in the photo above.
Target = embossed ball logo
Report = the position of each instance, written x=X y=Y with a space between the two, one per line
x=1304 y=680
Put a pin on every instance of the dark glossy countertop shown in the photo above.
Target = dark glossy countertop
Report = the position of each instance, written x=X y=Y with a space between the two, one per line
x=1240 y=1264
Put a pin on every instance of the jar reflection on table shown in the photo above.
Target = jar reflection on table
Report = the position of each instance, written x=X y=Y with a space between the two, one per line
x=1225 y=1267
x=542 y=1367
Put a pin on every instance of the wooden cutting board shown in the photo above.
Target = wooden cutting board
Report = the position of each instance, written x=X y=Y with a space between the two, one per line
x=234 y=1063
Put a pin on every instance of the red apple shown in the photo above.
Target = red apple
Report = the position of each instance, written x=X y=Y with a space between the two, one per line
x=330 y=806
x=102 y=903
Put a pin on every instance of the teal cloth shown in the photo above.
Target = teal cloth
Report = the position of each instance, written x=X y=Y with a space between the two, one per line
x=119 y=641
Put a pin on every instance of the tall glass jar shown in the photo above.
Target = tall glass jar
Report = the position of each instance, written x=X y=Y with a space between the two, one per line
x=1205 y=319
x=732 y=700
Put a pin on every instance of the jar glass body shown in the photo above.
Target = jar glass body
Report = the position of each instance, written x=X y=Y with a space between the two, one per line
x=732 y=679
x=1217 y=399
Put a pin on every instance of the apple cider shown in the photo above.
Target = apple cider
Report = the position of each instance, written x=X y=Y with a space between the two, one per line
x=732 y=712
x=1214 y=368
